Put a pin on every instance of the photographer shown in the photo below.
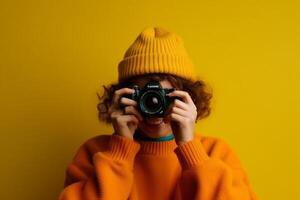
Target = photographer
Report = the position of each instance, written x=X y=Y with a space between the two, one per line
x=154 y=152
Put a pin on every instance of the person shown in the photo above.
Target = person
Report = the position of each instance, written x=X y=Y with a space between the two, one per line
x=158 y=157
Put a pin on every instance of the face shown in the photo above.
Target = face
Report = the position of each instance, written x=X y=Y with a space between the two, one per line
x=154 y=127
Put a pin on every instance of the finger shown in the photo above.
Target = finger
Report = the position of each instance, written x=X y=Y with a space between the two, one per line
x=183 y=94
x=115 y=114
x=127 y=102
x=180 y=112
x=181 y=104
x=185 y=105
x=133 y=110
x=120 y=92
x=177 y=103
x=176 y=117
x=131 y=118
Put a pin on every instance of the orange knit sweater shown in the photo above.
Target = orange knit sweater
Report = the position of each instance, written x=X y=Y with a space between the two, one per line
x=112 y=167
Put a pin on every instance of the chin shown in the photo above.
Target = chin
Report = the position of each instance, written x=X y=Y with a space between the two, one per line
x=155 y=126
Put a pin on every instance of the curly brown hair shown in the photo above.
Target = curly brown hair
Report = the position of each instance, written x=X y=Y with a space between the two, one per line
x=200 y=93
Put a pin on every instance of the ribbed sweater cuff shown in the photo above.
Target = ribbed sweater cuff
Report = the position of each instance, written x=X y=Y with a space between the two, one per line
x=122 y=148
x=191 y=153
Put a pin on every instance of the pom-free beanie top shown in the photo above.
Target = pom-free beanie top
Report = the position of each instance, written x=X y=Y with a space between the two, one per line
x=156 y=50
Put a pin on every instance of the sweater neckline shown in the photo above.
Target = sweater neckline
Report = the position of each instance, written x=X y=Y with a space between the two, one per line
x=160 y=147
x=142 y=137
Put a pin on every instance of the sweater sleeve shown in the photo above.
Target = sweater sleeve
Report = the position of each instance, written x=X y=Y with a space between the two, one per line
x=112 y=171
x=218 y=176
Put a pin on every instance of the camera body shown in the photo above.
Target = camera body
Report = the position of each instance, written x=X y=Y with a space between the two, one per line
x=151 y=99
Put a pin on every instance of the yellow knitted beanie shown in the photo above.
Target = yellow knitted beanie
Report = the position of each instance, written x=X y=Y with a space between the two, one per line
x=156 y=50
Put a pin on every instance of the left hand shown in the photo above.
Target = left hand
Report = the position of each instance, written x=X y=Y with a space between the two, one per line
x=183 y=116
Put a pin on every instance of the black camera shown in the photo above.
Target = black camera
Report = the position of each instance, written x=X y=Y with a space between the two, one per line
x=151 y=99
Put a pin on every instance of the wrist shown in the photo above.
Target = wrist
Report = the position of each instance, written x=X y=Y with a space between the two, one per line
x=183 y=140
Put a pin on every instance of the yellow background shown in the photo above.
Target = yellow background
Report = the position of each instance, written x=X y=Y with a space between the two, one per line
x=55 y=55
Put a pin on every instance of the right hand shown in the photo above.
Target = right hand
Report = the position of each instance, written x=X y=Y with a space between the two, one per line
x=125 y=121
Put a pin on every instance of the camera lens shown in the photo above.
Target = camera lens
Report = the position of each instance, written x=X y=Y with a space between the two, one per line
x=151 y=102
